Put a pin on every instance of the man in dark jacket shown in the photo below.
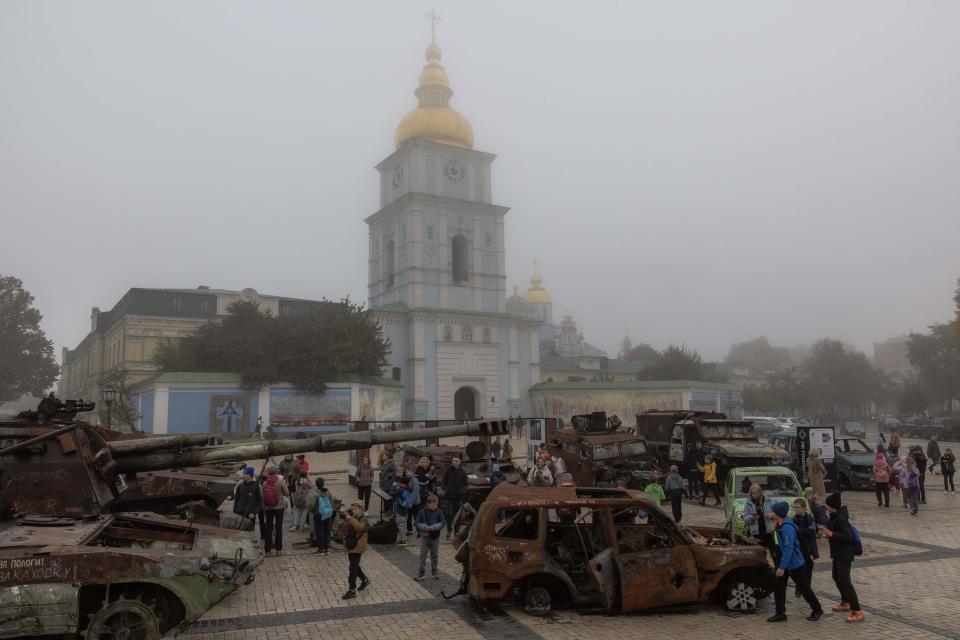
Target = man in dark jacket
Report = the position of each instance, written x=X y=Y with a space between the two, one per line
x=842 y=544
x=916 y=452
x=454 y=483
x=247 y=500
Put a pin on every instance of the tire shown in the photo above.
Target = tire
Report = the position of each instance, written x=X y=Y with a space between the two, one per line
x=740 y=595
x=537 y=601
x=124 y=620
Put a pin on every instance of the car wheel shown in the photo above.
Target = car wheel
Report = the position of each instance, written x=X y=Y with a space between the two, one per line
x=124 y=619
x=537 y=601
x=740 y=595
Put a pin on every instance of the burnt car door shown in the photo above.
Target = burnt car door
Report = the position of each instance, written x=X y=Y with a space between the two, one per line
x=654 y=562
x=594 y=531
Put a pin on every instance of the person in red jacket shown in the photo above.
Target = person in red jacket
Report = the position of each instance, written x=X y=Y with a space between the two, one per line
x=881 y=478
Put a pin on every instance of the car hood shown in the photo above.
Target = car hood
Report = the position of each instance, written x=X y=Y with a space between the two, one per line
x=863 y=459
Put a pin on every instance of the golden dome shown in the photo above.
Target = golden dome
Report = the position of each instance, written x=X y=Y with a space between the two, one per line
x=536 y=293
x=433 y=119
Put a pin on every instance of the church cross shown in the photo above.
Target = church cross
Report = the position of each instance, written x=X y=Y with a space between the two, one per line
x=536 y=265
x=434 y=18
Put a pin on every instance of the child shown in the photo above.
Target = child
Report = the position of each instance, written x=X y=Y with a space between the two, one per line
x=709 y=471
x=675 y=489
x=300 y=500
x=430 y=523
x=807 y=535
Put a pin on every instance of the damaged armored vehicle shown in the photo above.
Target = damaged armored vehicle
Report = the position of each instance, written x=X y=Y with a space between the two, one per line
x=610 y=548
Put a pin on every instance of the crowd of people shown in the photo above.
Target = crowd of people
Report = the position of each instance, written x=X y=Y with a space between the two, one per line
x=906 y=473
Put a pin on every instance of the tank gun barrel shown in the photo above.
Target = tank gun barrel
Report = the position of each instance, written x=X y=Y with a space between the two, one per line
x=145 y=445
x=155 y=460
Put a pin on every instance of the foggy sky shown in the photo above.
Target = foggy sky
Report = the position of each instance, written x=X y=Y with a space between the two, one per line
x=703 y=172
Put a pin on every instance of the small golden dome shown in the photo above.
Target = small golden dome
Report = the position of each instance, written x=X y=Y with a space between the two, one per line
x=536 y=293
x=433 y=119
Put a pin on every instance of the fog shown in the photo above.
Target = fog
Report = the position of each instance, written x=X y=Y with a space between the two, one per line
x=704 y=172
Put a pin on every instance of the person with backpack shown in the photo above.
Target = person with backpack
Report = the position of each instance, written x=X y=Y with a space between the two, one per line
x=425 y=476
x=275 y=494
x=674 y=486
x=300 y=499
x=353 y=527
x=807 y=534
x=916 y=452
x=454 y=484
x=430 y=523
x=844 y=546
x=320 y=504
x=948 y=467
x=790 y=564
x=364 y=482
x=881 y=479
x=405 y=491
x=910 y=485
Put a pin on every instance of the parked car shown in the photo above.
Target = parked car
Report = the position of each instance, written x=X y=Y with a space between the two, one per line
x=853 y=429
x=787 y=439
x=889 y=422
x=764 y=426
x=854 y=463
x=944 y=428
x=779 y=484
x=612 y=548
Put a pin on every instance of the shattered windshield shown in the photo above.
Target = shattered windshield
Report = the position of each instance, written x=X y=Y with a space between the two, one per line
x=773 y=486
x=729 y=432
x=635 y=448
x=606 y=451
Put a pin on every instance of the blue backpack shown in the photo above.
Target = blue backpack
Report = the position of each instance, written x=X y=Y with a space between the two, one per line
x=324 y=507
x=405 y=499
x=857 y=543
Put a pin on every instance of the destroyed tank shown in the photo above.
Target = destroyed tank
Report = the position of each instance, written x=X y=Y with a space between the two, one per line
x=70 y=566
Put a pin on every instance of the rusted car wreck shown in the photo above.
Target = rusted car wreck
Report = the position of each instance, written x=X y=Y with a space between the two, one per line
x=600 y=547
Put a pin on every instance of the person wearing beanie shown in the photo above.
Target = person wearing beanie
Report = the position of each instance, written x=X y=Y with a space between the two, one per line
x=791 y=564
x=353 y=527
x=881 y=479
x=842 y=543
x=247 y=500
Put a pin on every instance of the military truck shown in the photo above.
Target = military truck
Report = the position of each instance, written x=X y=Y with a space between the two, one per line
x=69 y=566
x=731 y=443
x=594 y=442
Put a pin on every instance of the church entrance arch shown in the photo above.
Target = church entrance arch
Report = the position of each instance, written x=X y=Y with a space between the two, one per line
x=465 y=404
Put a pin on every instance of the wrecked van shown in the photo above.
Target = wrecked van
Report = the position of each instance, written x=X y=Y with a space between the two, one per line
x=599 y=547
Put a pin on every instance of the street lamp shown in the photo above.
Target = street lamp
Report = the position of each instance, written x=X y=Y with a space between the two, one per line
x=108 y=394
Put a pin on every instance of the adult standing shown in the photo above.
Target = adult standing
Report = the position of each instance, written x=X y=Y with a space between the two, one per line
x=507 y=450
x=842 y=544
x=916 y=452
x=894 y=447
x=539 y=475
x=364 y=482
x=454 y=483
x=933 y=452
x=275 y=495
x=816 y=471
x=791 y=564
x=674 y=486
x=321 y=506
x=710 y=482
x=495 y=448
x=289 y=471
x=881 y=479
x=247 y=499
x=756 y=514
x=948 y=466
x=353 y=527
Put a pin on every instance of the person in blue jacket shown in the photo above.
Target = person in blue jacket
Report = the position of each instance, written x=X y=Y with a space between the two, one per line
x=791 y=564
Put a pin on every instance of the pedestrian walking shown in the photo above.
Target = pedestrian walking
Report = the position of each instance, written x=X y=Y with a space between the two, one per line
x=454 y=484
x=507 y=450
x=807 y=533
x=790 y=564
x=301 y=501
x=881 y=480
x=430 y=523
x=910 y=485
x=916 y=452
x=321 y=508
x=674 y=486
x=275 y=495
x=710 y=484
x=289 y=471
x=844 y=543
x=933 y=452
x=816 y=472
x=353 y=527
x=948 y=467
x=894 y=447
x=539 y=475
x=364 y=482
x=247 y=498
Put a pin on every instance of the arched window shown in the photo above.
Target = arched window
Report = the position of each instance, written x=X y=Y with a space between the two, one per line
x=467 y=332
x=459 y=259
x=388 y=262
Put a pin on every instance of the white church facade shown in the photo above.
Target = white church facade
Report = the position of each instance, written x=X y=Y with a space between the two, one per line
x=437 y=272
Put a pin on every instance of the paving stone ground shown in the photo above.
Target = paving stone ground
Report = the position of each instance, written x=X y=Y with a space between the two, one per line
x=908 y=580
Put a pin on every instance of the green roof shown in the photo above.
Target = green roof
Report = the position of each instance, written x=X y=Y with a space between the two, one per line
x=215 y=377
x=633 y=385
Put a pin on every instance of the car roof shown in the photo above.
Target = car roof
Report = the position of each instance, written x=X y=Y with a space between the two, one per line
x=770 y=471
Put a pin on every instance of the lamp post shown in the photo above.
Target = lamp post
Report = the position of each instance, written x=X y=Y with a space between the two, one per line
x=108 y=394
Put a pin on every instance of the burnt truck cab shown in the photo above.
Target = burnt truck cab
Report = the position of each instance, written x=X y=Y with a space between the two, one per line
x=731 y=443
x=602 y=547
x=592 y=440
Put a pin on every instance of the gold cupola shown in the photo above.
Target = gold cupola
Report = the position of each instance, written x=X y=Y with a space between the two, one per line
x=536 y=293
x=433 y=119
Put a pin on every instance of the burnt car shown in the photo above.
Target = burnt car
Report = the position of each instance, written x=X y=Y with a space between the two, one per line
x=594 y=440
x=601 y=547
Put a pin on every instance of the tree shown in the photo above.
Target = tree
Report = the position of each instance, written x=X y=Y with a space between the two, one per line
x=836 y=377
x=760 y=354
x=26 y=354
x=912 y=398
x=936 y=357
x=122 y=414
x=676 y=362
x=329 y=341
x=956 y=319
x=641 y=353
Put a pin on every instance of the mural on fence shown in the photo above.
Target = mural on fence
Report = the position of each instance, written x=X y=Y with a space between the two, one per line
x=229 y=415
x=302 y=409
x=624 y=404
